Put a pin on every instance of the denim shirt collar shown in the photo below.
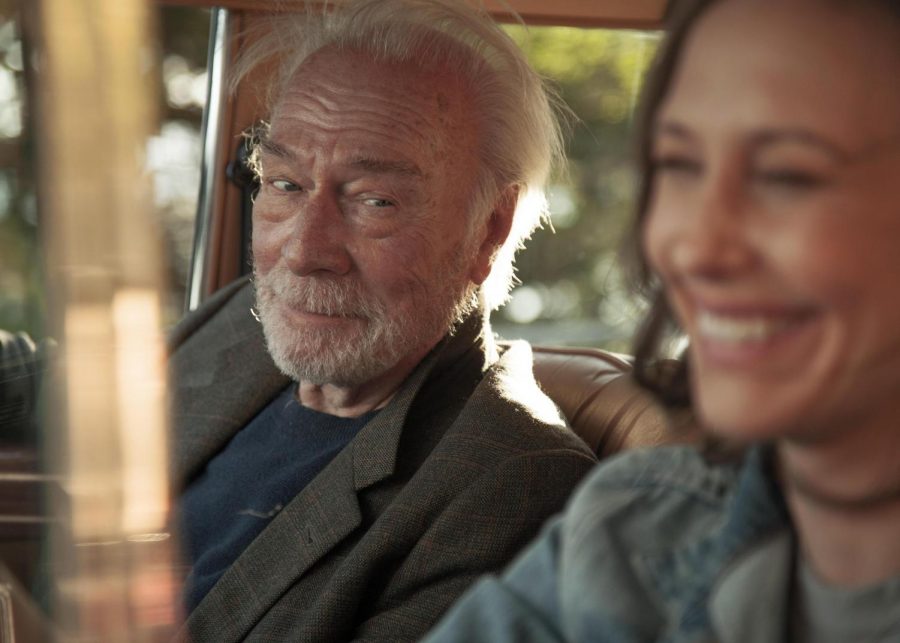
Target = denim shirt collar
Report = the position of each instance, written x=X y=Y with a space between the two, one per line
x=758 y=542
x=706 y=581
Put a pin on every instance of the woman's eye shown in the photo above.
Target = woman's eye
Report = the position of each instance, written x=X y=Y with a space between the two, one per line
x=679 y=165
x=283 y=185
x=788 y=179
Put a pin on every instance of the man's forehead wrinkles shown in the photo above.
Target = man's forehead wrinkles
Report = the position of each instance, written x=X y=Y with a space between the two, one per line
x=375 y=163
x=333 y=93
x=361 y=127
x=335 y=113
x=401 y=90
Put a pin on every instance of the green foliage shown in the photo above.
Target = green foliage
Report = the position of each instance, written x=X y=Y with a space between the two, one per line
x=590 y=63
x=21 y=305
x=598 y=74
x=21 y=301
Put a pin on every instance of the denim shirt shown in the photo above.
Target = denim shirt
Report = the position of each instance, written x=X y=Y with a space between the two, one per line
x=657 y=545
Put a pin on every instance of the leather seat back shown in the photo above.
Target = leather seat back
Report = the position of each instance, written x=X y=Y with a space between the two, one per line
x=603 y=404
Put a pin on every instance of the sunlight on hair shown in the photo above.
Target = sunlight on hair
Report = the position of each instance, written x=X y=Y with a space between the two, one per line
x=513 y=387
x=531 y=214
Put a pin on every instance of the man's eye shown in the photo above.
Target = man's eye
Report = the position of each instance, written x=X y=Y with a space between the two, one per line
x=379 y=203
x=284 y=186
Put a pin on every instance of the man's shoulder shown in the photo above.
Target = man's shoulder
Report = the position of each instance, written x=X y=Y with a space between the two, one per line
x=508 y=437
x=221 y=339
x=233 y=299
x=509 y=408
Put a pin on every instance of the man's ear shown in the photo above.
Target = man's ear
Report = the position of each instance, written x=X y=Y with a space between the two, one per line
x=494 y=234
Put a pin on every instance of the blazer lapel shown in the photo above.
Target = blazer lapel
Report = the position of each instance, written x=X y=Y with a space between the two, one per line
x=221 y=379
x=319 y=518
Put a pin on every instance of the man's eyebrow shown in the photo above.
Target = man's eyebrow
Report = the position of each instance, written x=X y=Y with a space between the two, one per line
x=368 y=164
x=382 y=166
x=268 y=146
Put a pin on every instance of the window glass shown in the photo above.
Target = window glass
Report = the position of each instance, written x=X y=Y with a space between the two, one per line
x=572 y=290
x=174 y=154
x=21 y=307
x=173 y=159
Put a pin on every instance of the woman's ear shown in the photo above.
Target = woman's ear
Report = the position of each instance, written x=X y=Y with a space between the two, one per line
x=494 y=234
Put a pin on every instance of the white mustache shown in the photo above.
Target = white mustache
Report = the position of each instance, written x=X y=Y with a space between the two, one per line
x=318 y=296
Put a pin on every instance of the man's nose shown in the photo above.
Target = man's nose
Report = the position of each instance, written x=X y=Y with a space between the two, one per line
x=318 y=241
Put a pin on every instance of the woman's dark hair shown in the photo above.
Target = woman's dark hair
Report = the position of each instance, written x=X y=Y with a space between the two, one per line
x=668 y=379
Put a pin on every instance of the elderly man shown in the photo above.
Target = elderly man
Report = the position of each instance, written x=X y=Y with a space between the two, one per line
x=352 y=449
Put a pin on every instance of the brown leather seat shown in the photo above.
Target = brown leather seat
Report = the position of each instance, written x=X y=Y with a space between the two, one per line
x=595 y=391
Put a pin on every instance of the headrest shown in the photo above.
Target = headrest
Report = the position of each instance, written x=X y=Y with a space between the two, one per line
x=603 y=404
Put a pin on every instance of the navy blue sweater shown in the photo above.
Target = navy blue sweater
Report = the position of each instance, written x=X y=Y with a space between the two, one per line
x=245 y=486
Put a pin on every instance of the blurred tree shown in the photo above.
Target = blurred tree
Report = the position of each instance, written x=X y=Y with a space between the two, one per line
x=570 y=281
x=175 y=152
x=181 y=56
x=21 y=305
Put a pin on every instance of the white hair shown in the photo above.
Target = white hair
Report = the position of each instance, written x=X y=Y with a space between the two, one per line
x=519 y=132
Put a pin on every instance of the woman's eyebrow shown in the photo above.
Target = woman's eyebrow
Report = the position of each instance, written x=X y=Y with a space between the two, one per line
x=673 y=129
x=764 y=137
x=798 y=135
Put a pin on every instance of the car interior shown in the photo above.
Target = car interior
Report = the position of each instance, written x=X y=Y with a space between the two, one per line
x=592 y=386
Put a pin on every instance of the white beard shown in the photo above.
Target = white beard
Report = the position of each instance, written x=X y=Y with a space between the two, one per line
x=376 y=335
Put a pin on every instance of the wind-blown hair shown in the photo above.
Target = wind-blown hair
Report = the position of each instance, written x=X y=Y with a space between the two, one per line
x=670 y=383
x=518 y=116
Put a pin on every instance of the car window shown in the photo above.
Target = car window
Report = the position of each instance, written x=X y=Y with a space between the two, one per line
x=21 y=303
x=572 y=290
x=174 y=153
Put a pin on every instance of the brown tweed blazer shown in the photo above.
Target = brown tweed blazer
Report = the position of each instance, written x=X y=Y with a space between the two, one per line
x=447 y=482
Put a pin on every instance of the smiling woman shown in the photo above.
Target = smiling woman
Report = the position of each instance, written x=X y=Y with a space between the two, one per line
x=774 y=225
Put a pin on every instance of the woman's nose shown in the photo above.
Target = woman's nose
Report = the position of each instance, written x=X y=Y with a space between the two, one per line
x=701 y=232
